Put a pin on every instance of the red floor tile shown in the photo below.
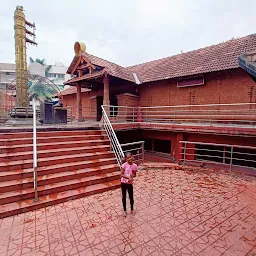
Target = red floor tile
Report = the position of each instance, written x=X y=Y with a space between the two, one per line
x=177 y=213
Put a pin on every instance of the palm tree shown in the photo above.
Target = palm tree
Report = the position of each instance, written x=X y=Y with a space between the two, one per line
x=43 y=63
x=40 y=91
x=37 y=87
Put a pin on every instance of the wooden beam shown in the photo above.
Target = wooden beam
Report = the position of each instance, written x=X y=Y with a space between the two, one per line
x=74 y=68
x=84 y=66
x=79 y=73
x=88 y=62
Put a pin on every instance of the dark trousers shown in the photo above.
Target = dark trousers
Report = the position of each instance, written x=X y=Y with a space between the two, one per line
x=128 y=187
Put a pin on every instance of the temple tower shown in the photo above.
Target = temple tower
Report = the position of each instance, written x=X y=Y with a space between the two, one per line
x=21 y=32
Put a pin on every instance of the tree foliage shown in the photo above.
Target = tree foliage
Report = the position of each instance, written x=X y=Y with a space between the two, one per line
x=40 y=91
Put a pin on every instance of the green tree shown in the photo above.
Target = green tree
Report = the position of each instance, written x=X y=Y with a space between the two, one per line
x=40 y=91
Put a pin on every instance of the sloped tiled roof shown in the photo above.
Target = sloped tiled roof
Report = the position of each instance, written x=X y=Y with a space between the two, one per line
x=217 y=57
x=111 y=68
x=72 y=90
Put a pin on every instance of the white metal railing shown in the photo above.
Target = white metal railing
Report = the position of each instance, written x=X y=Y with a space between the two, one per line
x=137 y=149
x=220 y=154
x=237 y=113
x=34 y=148
x=112 y=137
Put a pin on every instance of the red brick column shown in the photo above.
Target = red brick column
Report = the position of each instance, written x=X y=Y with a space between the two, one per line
x=79 y=102
x=178 y=153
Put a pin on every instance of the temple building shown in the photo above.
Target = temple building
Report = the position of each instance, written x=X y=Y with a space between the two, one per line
x=216 y=78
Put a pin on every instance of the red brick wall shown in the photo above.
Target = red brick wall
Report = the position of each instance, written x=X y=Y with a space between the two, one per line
x=233 y=86
x=70 y=100
x=7 y=101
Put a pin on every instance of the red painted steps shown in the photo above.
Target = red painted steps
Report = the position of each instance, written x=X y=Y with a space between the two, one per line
x=47 y=200
x=52 y=152
x=43 y=162
x=40 y=140
x=52 y=145
x=17 y=135
x=67 y=161
x=16 y=184
x=60 y=186
x=26 y=173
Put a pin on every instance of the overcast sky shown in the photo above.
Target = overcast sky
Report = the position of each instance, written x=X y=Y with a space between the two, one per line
x=125 y=32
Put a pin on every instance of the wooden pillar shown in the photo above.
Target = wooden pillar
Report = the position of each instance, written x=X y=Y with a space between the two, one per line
x=79 y=102
x=106 y=93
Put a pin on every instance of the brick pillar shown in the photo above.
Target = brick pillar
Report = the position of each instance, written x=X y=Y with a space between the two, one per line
x=178 y=153
x=106 y=93
x=79 y=102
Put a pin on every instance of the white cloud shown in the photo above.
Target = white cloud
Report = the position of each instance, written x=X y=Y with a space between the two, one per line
x=126 y=32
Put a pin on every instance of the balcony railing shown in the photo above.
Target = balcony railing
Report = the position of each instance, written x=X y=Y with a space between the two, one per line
x=210 y=114
x=137 y=150
x=224 y=155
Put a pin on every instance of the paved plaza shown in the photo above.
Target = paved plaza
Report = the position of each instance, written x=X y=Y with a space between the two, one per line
x=178 y=212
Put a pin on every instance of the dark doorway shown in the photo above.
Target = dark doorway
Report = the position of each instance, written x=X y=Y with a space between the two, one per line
x=114 y=106
x=156 y=145
x=99 y=104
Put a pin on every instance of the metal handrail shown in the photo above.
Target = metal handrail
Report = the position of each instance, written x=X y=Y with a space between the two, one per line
x=140 y=151
x=220 y=114
x=206 y=105
x=34 y=149
x=189 y=154
x=218 y=144
x=112 y=137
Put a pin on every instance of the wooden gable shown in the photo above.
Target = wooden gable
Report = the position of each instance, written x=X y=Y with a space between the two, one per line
x=84 y=66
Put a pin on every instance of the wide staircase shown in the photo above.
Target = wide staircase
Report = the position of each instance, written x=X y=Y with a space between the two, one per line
x=71 y=164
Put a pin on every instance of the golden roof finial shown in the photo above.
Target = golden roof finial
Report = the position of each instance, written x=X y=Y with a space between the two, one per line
x=79 y=48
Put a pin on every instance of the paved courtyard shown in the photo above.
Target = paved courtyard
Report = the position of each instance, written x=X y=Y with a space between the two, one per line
x=178 y=212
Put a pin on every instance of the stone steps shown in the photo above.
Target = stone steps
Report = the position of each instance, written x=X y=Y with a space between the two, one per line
x=44 y=162
x=48 y=134
x=56 y=187
x=40 y=140
x=27 y=173
x=22 y=206
x=70 y=164
x=52 y=145
x=42 y=180
x=52 y=152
